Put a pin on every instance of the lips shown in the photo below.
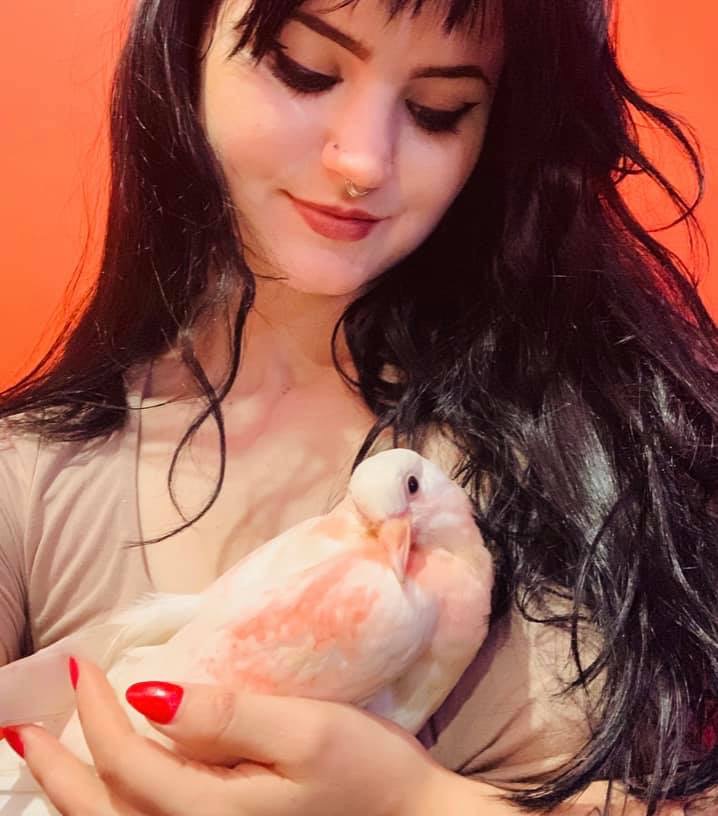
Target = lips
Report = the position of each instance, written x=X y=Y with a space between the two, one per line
x=331 y=222
x=339 y=212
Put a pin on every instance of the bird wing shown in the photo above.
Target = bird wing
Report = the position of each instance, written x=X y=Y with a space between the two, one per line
x=271 y=568
x=21 y=802
x=268 y=572
x=295 y=550
x=338 y=631
x=37 y=688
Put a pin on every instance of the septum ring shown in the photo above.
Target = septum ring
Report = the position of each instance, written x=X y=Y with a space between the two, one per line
x=353 y=191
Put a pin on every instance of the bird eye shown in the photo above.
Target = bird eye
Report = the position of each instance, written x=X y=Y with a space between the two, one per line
x=412 y=484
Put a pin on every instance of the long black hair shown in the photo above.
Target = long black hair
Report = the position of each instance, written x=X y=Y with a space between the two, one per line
x=559 y=345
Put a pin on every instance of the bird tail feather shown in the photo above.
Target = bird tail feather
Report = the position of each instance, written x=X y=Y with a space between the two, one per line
x=37 y=688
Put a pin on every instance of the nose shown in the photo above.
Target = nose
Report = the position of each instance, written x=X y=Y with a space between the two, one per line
x=361 y=144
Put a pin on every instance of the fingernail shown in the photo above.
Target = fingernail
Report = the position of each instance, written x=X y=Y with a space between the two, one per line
x=14 y=740
x=156 y=700
x=74 y=671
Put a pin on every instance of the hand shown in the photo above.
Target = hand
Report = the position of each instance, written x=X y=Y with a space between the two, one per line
x=251 y=755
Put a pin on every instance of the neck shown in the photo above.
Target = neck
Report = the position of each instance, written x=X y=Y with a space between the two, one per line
x=288 y=338
x=286 y=344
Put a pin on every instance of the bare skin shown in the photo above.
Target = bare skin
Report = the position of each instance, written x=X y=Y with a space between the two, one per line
x=291 y=440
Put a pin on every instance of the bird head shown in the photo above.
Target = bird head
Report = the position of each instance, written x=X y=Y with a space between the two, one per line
x=402 y=484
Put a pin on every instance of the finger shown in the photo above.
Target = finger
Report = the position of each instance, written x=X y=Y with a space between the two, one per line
x=68 y=783
x=142 y=772
x=220 y=725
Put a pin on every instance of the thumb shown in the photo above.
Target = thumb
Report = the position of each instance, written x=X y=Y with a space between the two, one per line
x=220 y=726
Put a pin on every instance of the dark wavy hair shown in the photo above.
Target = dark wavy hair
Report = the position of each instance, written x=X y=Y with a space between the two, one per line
x=560 y=346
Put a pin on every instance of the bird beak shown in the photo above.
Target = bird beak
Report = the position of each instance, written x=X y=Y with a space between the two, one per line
x=395 y=538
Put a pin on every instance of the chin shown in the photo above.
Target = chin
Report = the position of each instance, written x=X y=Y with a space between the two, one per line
x=329 y=285
x=326 y=291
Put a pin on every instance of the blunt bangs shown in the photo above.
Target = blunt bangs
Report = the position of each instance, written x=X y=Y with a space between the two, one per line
x=264 y=19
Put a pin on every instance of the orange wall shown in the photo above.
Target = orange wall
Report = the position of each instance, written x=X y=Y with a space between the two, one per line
x=55 y=65
x=668 y=50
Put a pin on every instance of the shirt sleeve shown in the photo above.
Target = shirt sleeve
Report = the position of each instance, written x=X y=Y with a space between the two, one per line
x=510 y=721
x=15 y=479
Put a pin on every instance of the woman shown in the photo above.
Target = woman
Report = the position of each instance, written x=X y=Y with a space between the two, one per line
x=333 y=228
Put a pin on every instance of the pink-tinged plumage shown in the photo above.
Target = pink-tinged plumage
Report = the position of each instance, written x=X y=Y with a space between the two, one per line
x=383 y=602
x=343 y=631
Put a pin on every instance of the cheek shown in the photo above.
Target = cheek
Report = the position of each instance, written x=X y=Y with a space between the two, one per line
x=452 y=164
x=252 y=134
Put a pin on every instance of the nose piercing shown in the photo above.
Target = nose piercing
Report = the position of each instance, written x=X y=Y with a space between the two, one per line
x=353 y=191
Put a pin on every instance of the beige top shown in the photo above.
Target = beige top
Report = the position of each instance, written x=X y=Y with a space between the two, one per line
x=67 y=510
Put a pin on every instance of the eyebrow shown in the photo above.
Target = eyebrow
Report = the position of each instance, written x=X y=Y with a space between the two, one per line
x=361 y=50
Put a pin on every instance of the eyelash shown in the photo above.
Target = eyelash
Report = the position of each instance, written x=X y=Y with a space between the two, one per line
x=303 y=81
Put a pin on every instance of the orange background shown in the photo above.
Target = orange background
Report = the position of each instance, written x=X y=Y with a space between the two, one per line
x=55 y=67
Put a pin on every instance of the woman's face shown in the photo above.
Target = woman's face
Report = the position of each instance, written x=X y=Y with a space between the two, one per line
x=346 y=95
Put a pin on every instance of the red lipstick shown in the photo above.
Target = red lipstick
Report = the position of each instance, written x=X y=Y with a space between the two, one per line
x=336 y=223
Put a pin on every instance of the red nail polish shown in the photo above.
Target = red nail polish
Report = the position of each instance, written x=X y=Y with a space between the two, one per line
x=14 y=740
x=156 y=700
x=74 y=672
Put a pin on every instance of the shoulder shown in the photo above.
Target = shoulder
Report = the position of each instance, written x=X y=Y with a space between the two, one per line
x=41 y=479
x=23 y=452
x=67 y=516
x=19 y=454
x=18 y=450
x=18 y=458
x=24 y=455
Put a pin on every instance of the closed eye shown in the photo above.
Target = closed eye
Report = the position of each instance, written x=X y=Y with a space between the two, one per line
x=439 y=121
x=296 y=76
x=301 y=80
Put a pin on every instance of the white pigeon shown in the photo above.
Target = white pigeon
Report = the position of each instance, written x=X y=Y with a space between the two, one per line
x=383 y=603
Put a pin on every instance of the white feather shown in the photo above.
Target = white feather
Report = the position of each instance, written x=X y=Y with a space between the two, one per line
x=37 y=688
x=158 y=636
